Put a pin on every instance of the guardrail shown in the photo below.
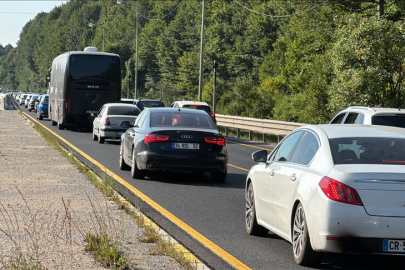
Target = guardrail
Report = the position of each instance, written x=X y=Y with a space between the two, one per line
x=263 y=126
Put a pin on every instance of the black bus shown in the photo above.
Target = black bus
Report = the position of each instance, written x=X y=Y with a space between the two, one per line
x=80 y=83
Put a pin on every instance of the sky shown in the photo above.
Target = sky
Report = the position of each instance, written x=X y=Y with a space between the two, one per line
x=14 y=14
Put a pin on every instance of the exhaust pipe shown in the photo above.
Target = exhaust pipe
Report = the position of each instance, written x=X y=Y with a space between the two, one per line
x=153 y=166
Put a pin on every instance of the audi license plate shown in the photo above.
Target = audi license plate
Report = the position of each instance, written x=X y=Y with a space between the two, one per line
x=186 y=146
x=394 y=245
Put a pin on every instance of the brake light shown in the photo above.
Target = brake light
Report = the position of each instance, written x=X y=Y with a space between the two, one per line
x=215 y=140
x=68 y=105
x=212 y=115
x=107 y=121
x=339 y=192
x=152 y=138
x=44 y=103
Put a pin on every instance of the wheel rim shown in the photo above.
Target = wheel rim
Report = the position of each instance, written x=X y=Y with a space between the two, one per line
x=133 y=162
x=250 y=208
x=298 y=231
x=121 y=161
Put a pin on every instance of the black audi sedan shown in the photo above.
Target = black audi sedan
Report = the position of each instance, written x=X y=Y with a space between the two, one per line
x=173 y=139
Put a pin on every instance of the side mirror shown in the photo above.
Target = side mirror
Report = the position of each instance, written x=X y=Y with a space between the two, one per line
x=260 y=156
x=125 y=124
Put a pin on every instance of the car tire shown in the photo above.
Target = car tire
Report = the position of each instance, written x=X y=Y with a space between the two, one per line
x=40 y=117
x=54 y=123
x=94 y=136
x=252 y=227
x=135 y=172
x=302 y=250
x=29 y=110
x=219 y=177
x=100 y=139
x=123 y=165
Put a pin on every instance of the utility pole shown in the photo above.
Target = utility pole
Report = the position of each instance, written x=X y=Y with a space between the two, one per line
x=200 y=83
x=380 y=8
x=136 y=54
x=215 y=85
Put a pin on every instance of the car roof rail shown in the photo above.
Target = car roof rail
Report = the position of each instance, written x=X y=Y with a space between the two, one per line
x=362 y=108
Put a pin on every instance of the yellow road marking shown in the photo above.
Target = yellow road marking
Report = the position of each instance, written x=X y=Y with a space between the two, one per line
x=248 y=145
x=240 y=168
x=185 y=227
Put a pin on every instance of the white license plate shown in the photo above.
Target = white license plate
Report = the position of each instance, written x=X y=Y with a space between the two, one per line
x=186 y=146
x=394 y=245
x=119 y=133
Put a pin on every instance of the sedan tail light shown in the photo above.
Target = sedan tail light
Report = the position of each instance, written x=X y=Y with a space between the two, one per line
x=152 y=138
x=339 y=192
x=215 y=140
x=107 y=122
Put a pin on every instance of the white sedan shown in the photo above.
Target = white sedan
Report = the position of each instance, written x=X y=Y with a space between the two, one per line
x=331 y=188
x=106 y=124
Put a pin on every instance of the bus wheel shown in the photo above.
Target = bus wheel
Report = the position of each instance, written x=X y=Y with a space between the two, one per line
x=61 y=126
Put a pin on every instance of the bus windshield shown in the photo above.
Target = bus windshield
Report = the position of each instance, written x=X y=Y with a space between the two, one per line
x=94 y=69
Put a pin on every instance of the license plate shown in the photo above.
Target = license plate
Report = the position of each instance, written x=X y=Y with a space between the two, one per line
x=393 y=245
x=119 y=133
x=186 y=146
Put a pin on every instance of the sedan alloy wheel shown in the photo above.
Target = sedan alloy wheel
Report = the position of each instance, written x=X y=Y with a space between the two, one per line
x=303 y=252
x=135 y=172
x=123 y=165
x=252 y=227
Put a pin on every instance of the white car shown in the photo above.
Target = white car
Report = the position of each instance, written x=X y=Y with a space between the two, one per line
x=331 y=188
x=106 y=125
x=370 y=116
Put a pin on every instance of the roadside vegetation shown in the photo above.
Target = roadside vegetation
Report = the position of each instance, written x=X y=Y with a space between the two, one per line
x=293 y=60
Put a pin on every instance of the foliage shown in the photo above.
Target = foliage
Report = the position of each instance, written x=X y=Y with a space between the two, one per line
x=287 y=60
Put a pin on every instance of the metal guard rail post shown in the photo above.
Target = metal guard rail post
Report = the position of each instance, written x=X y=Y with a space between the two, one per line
x=264 y=126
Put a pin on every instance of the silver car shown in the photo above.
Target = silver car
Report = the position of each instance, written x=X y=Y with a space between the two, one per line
x=106 y=125
x=331 y=188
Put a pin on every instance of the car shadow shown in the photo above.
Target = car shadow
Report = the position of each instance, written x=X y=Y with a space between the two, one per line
x=233 y=180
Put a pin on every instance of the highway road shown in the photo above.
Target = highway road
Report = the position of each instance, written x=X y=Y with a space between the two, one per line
x=215 y=210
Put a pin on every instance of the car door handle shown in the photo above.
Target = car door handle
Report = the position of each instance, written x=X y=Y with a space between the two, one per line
x=293 y=177
x=271 y=172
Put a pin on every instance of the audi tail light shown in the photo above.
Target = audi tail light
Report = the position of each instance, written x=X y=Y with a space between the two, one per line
x=339 y=192
x=152 y=138
x=215 y=140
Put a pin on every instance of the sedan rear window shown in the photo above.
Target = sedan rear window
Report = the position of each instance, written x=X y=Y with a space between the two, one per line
x=123 y=111
x=198 y=107
x=181 y=119
x=394 y=120
x=368 y=150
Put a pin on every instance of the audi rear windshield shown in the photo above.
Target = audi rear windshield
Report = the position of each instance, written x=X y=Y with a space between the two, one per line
x=368 y=150
x=397 y=120
x=182 y=120
x=94 y=69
